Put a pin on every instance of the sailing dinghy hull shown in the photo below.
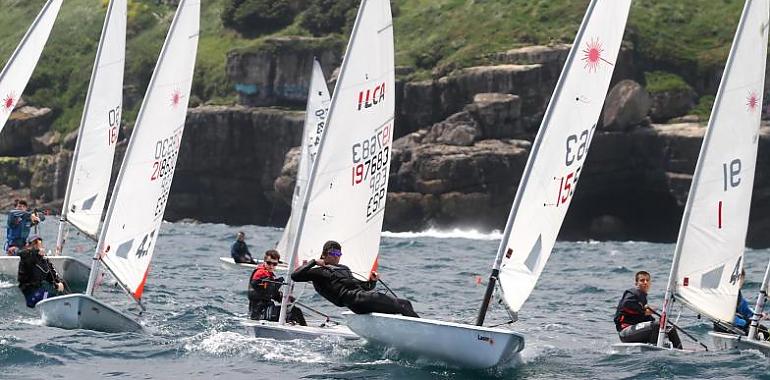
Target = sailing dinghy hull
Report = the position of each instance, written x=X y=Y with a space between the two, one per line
x=72 y=271
x=466 y=346
x=724 y=341
x=229 y=263
x=275 y=330
x=635 y=348
x=79 y=311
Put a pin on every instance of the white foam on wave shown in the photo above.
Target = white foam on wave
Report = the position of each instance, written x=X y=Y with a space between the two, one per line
x=231 y=344
x=6 y=284
x=457 y=233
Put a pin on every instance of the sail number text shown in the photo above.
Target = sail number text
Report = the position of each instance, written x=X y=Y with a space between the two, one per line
x=371 y=157
x=113 y=118
x=166 y=153
x=576 y=148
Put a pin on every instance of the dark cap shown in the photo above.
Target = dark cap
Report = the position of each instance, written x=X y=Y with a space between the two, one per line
x=31 y=239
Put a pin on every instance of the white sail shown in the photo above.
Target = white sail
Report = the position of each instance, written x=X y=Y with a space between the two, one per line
x=91 y=168
x=713 y=232
x=350 y=180
x=18 y=70
x=130 y=230
x=560 y=149
x=315 y=120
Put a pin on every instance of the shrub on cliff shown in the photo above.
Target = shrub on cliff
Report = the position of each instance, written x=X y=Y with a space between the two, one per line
x=661 y=81
x=254 y=17
x=329 y=16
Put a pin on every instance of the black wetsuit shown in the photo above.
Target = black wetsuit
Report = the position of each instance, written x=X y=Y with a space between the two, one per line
x=34 y=270
x=337 y=284
x=240 y=253
x=633 y=325
x=264 y=288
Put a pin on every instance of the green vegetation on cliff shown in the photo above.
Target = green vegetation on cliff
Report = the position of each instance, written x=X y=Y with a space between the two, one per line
x=690 y=38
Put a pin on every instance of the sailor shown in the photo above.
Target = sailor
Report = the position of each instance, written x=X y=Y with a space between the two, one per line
x=633 y=317
x=34 y=269
x=240 y=251
x=264 y=288
x=743 y=315
x=18 y=226
x=336 y=283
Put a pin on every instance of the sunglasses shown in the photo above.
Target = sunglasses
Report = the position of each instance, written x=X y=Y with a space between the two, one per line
x=272 y=263
x=335 y=253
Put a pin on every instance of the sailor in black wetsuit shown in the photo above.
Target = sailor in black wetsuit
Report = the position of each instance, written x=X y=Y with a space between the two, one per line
x=336 y=283
x=34 y=269
x=633 y=316
x=239 y=251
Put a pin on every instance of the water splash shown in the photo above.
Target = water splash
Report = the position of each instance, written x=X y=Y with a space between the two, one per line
x=457 y=233
x=6 y=284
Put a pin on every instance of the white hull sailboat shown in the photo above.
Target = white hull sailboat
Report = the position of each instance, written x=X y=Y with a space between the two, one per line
x=229 y=263
x=551 y=174
x=344 y=195
x=708 y=257
x=130 y=230
x=469 y=346
x=13 y=80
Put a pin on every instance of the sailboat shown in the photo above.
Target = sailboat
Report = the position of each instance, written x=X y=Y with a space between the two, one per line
x=542 y=199
x=708 y=258
x=89 y=176
x=18 y=70
x=344 y=199
x=13 y=80
x=130 y=230
x=316 y=112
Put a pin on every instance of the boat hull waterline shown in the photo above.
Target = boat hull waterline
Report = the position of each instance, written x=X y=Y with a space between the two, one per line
x=724 y=341
x=275 y=330
x=466 y=346
x=79 y=311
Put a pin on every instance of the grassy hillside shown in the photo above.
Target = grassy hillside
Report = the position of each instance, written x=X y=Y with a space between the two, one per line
x=669 y=35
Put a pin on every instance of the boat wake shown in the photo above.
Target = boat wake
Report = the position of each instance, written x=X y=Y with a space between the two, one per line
x=6 y=284
x=232 y=344
x=456 y=233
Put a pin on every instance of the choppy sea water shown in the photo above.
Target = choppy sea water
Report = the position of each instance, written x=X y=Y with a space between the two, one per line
x=195 y=308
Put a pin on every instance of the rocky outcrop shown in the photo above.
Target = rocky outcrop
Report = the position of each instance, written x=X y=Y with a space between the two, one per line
x=670 y=104
x=277 y=72
x=25 y=124
x=627 y=105
x=228 y=161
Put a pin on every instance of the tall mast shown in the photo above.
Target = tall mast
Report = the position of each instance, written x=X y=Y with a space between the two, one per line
x=314 y=170
x=761 y=298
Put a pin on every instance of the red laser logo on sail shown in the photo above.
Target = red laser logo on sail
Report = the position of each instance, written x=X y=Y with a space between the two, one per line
x=752 y=101
x=8 y=102
x=592 y=55
x=176 y=98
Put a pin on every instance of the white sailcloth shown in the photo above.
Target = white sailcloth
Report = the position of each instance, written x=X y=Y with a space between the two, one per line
x=18 y=70
x=560 y=149
x=315 y=120
x=347 y=198
x=713 y=232
x=139 y=200
x=91 y=168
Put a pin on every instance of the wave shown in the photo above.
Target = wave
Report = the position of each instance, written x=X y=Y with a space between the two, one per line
x=457 y=233
x=6 y=284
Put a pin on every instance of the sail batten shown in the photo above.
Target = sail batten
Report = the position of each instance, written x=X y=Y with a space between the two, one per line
x=709 y=254
x=559 y=151
x=21 y=64
x=136 y=209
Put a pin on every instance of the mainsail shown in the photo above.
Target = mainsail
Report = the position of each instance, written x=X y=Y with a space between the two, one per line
x=91 y=168
x=317 y=110
x=559 y=151
x=349 y=178
x=130 y=230
x=709 y=253
x=18 y=70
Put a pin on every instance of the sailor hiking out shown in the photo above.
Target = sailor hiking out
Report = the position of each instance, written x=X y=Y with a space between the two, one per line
x=34 y=271
x=336 y=283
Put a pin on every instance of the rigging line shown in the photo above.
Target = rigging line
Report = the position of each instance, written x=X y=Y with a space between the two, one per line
x=381 y=282
x=694 y=339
